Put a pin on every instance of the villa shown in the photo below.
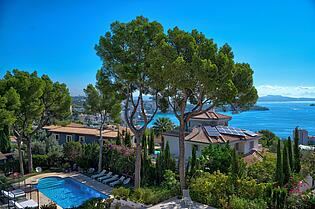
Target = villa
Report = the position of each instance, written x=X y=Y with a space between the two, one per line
x=212 y=128
x=83 y=134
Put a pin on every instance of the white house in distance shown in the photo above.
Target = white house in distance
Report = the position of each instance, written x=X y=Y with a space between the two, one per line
x=212 y=128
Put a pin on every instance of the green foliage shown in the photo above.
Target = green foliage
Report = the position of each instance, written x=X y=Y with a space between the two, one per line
x=96 y=203
x=5 y=144
x=278 y=198
x=127 y=139
x=297 y=164
x=170 y=182
x=128 y=68
x=162 y=125
x=290 y=154
x=151 y=142
x=121 y=193
x=90 y=152
x=216 y=189
x=242 y=203
x=193 y=161
x=308 y=163
x=268 y=140
x=279 y=167
x=119 y=159
x=285 y=164
x=40 y=160
x=210 y=189
x=4 y=184
x=39 y=148
x=38 y=102
x=72 y=151
x=49 y=206
x=263 y=171
x=216 y=157
x=301 y=201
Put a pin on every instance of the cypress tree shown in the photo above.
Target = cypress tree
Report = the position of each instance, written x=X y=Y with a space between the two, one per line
x=297 y=165
x=235 y=165
x=118 y=140
x=127 y=139
x=167 y=157
x=193 y=160
x=144 y=146
x=285 y=164
x=5 y=145
x=290 y=154
x=279 y=164
x=151 y=143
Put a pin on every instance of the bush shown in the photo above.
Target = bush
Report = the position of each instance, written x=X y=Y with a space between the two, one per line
x=40 y=161
x=49 y=206
x=241 y=203
x=121 y=193
x=4 y=184
x=263 y=171
x=170 y=182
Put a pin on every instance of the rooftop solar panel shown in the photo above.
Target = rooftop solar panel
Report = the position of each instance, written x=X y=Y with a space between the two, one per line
x=230 y=130
x=250 y=133
x=211 y=131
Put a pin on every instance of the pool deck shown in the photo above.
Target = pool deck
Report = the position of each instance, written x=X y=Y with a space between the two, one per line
x=77 y=176
x=175 y=203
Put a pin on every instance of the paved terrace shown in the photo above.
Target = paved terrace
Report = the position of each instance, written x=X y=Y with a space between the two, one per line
x=175 y=203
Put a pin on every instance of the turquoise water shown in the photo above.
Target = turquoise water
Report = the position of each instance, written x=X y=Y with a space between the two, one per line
x=281 y=119
x=67 y=192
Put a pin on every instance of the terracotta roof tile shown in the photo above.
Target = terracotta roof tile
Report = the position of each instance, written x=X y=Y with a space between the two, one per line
x=212 y=115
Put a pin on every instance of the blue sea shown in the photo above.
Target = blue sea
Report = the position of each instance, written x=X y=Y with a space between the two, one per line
x=281 y=119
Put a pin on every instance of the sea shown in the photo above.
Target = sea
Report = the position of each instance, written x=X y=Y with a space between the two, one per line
x=281 y=118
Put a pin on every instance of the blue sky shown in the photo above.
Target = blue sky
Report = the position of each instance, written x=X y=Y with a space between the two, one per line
x=58 y=37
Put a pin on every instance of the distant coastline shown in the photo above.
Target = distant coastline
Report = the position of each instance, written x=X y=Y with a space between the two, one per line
x=279 y=98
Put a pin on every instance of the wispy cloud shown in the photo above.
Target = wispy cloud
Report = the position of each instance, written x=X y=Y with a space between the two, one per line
x=290 y=91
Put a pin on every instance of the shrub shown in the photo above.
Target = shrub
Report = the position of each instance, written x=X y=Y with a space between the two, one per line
x=241 y=203
x=121 y=193
x=49 y=206
x=210 y=189
x=170 y=182
x=263 y=171
x=40 y=161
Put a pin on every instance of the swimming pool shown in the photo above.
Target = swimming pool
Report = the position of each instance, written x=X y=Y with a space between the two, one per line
x=67 y=192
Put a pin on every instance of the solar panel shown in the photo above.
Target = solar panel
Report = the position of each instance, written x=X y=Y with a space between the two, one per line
x=230 y=130
x=250 y=133
x=211 y=131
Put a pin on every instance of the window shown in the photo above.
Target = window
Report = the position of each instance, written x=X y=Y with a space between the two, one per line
x=68 y=138
x=82 y=139
x=251 y=145
x=237 y=146
x=56 y=136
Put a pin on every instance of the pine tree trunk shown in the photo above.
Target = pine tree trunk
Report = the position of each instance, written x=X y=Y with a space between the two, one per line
x=100 y=157
x=182 y=155
x=19 y=141
x=29 y=154
x=138 y=161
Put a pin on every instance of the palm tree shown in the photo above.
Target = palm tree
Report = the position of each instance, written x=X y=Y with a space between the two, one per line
x=162 y=125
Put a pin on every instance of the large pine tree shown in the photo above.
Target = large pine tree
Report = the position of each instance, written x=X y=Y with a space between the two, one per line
x=297 y=164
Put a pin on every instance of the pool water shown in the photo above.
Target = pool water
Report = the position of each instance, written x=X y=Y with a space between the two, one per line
x=67 y=192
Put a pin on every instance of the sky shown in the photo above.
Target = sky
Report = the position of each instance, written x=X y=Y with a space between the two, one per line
x=57 y=38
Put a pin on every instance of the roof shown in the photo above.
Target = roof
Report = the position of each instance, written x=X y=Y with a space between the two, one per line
x=253 y=157
x=82 y=130
x=200 y=135
x=2 y=156
x=211 y=115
